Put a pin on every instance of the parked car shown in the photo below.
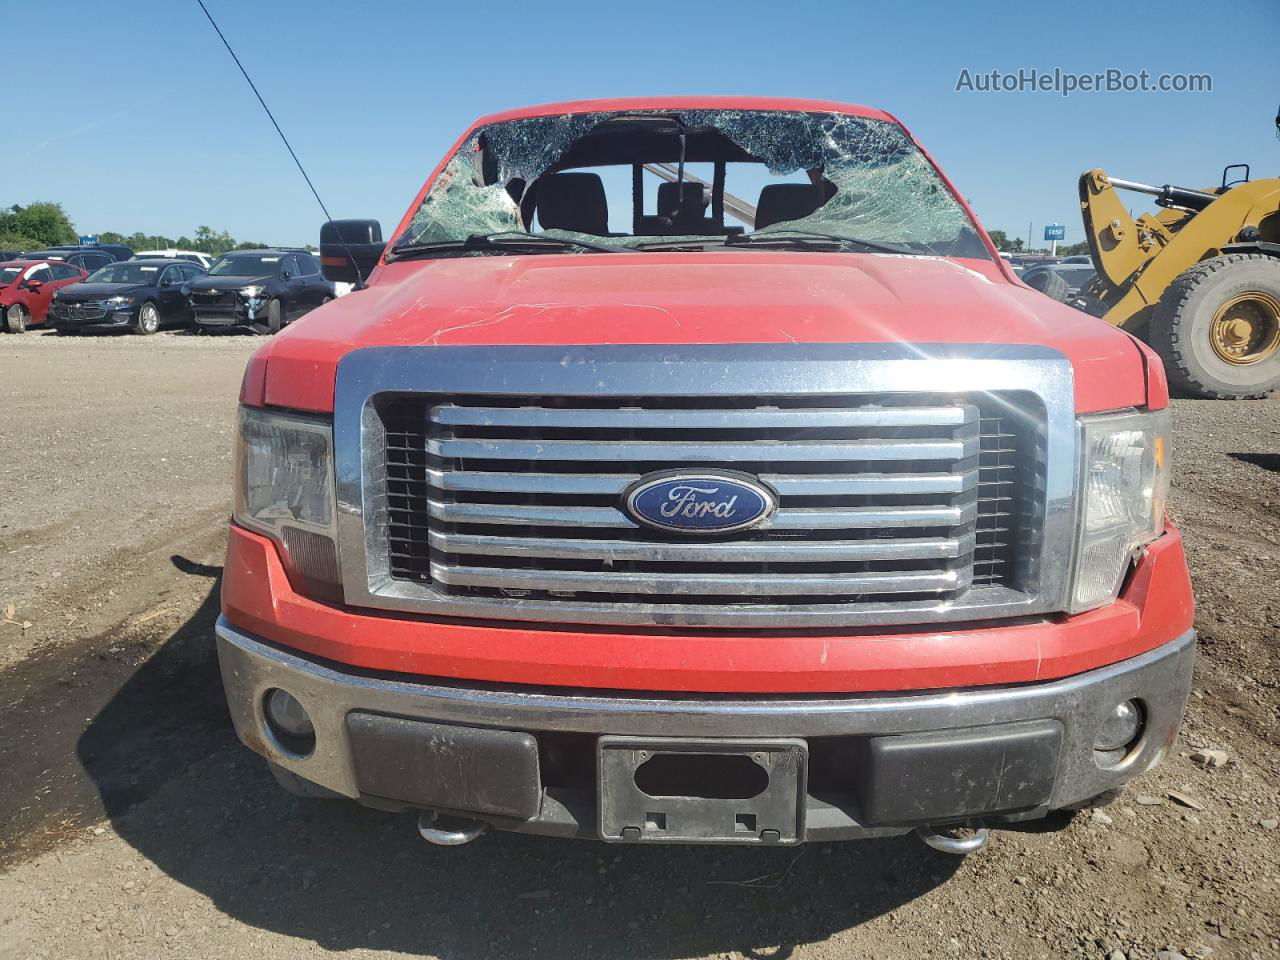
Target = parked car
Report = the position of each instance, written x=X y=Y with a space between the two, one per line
x=27 y=288
x=192 y=256
x=1079 y=258
x=261 y=289
x=825 y=530
x=7 y=255
x=138 y=295
x=87 y=258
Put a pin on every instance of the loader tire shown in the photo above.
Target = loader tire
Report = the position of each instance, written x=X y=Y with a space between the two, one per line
x=1052 y=285
x=1217 y=327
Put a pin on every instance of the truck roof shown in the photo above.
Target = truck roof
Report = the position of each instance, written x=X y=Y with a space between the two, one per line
x=687 y=103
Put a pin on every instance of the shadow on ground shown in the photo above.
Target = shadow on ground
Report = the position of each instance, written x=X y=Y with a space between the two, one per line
x=1267 y=461
x=181 y=791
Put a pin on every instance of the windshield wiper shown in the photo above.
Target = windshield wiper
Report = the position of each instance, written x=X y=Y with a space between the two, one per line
x=775 y=239
x=806 y=239
x=495 y=243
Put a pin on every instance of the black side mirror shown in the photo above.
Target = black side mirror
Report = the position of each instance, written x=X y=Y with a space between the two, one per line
x=350 y=249
x=286 y=275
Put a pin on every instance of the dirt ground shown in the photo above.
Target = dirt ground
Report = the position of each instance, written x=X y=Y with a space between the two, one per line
x=133 y=825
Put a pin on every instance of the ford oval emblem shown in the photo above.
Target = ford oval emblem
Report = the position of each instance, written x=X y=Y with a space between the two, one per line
x=700 y=503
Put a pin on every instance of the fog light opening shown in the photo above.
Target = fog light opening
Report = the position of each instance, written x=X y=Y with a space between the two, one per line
x=288 y=722
x=1119 y=732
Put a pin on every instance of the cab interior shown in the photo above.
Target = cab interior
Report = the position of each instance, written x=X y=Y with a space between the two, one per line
x=667 y=198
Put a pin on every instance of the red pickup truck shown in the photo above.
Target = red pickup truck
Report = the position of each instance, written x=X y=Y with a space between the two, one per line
x=611 y=505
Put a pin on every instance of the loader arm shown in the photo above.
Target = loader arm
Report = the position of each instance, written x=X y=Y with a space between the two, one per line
x=1137 y=258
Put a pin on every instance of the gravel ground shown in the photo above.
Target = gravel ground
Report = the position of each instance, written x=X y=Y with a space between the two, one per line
x=133 y=825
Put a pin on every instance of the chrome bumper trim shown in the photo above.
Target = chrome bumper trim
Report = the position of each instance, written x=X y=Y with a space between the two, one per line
x=1161 y=678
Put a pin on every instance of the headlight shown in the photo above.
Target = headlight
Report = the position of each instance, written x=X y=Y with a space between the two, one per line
x=251 y=292
x=119 y=301
x=1125 y=485
x=284 y=489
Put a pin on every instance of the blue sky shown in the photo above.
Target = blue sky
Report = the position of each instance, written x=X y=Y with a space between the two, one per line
x=134 y=117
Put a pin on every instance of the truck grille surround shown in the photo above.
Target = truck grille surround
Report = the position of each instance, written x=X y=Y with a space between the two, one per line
x=893 y=506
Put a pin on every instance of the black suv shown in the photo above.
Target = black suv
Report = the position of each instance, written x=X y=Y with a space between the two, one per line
x=137 y=295
x=86 y=258
x=261 y=289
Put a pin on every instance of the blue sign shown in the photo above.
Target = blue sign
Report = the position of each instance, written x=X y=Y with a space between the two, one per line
x=89 y=240
x=700 y=503
x=1055 y=231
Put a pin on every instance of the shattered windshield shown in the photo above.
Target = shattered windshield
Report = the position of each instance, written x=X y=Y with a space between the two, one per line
x=252 y=265
x=125 y=273
x=690 y=179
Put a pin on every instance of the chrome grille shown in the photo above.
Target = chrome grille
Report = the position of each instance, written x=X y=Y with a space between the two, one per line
x=82 y=310
x=881 y=498
x=513 y=513
x=998 y=511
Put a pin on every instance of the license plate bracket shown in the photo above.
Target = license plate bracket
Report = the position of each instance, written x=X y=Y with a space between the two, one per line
x=702 y=790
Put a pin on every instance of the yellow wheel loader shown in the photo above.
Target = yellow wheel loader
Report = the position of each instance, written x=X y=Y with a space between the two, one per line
x=1199 y=281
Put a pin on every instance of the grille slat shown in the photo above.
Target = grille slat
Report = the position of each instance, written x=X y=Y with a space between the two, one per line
x=637 y=418
x=785 y=519
x=760 y=551
x=882 y=499
x=816 y=485
x=663 y=451
x=695 y=584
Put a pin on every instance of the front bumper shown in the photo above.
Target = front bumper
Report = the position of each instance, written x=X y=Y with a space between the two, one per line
x=238 y=314
x=525 y=758
x=113 y=319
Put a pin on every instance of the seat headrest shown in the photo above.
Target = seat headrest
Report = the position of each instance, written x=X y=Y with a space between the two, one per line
x=573 y=201
x=693 y=199
x=786 y=201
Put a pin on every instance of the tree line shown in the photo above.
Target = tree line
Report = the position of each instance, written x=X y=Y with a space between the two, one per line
x=1006 y=244
x=45 y=224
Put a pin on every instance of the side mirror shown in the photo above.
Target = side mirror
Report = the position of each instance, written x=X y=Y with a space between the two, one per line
x=34 y=285
x=286 y=275
x=350 y=249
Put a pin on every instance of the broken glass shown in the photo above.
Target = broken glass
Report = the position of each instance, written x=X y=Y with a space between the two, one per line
x=881 y=187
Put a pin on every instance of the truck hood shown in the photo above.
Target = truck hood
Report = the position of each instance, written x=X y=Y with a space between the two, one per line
x=679 y=298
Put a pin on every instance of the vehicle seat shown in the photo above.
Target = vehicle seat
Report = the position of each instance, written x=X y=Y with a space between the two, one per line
x=780 y=202
x=685 y=205
x=573 y=201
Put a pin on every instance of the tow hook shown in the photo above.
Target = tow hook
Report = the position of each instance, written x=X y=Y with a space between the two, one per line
x=455 y=833
x=971 y=840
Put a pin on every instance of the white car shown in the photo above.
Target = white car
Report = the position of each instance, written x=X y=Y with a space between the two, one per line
x=194 y=256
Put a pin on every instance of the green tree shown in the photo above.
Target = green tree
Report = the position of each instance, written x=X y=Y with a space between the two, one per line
x=215 y=242
x=18 y=241
x=1073 y=249
x=45 y=223
x=1003 y=243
